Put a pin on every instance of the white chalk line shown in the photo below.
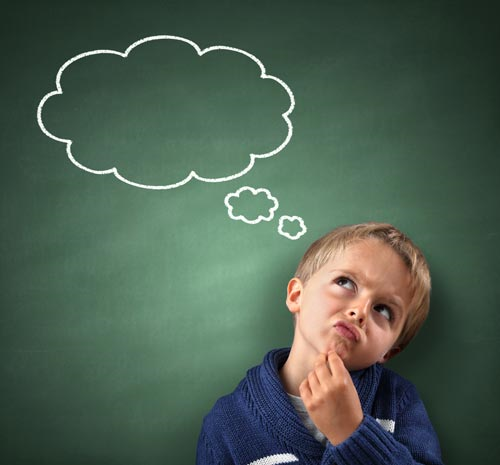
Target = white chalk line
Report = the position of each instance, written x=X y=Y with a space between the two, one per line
x=293 y=237
x=285 y=218
x=255 y=192
x=192 y=174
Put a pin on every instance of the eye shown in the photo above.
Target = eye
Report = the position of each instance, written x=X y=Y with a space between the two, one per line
x=384 y=310
x=346 y=283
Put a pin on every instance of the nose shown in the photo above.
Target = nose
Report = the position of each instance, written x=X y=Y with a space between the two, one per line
x=359 y=312
x=355 y=315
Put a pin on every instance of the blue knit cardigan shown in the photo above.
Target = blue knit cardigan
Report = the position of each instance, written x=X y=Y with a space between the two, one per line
x=257 y=424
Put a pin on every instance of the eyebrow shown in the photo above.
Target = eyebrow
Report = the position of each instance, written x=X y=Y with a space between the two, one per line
x=395 y=304
x=393 y=301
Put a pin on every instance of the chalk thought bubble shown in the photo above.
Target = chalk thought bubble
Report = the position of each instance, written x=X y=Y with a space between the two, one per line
x=287 y=224
x=252 y=206
x=165 y=111
x=241 y=205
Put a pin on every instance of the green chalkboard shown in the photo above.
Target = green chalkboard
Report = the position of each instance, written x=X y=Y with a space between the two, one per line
x=165 y=166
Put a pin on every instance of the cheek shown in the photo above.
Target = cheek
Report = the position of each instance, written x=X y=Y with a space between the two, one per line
x=319 y=302
x=383 y=339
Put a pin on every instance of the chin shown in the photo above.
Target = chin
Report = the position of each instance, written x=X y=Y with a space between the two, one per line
x=351 y=363
x=341 y=348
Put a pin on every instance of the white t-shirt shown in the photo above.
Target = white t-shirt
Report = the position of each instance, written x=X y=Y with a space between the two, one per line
x=300 y=408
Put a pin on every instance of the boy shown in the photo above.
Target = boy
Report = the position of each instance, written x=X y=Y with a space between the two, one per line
x=358 y=297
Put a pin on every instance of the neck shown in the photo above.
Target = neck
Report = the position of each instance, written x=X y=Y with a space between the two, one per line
x=296 y=369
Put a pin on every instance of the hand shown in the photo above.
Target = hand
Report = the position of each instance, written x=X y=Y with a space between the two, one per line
x=331 y=398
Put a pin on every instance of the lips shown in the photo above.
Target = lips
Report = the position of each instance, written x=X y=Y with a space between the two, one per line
x=347 y=330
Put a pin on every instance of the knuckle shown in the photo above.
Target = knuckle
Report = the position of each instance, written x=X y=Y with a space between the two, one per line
x=313 y=405
x=343 y=385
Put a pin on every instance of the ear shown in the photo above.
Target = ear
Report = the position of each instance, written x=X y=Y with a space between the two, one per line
x=388 y=355
x=294 y=295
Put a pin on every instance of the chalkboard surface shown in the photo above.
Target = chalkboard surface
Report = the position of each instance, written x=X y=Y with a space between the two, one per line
x=156 y=203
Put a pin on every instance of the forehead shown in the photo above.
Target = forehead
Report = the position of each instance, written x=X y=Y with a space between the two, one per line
x=372 y=261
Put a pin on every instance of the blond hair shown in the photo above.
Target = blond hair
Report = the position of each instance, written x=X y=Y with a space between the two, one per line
x=325 y=248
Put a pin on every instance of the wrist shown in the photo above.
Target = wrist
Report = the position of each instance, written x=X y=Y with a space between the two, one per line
x=340 y=434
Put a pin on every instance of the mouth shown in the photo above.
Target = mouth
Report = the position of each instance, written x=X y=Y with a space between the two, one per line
x=347 y=330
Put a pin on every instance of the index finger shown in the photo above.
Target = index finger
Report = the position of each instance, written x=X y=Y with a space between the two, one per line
x=335 y=362
x=321 y=359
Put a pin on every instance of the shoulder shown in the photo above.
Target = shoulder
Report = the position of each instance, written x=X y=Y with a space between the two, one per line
x=227 y=408
x=394 y=382
x=243 y=406
x=398 y=399
x=394 y=393
x=232 y=410
x=217 y=432
x=400 y=410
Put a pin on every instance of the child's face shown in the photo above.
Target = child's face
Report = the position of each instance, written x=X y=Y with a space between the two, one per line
x=356 y=305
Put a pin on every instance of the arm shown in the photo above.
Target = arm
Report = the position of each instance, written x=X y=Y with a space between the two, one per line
x=370 y=444
x=333 y=404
